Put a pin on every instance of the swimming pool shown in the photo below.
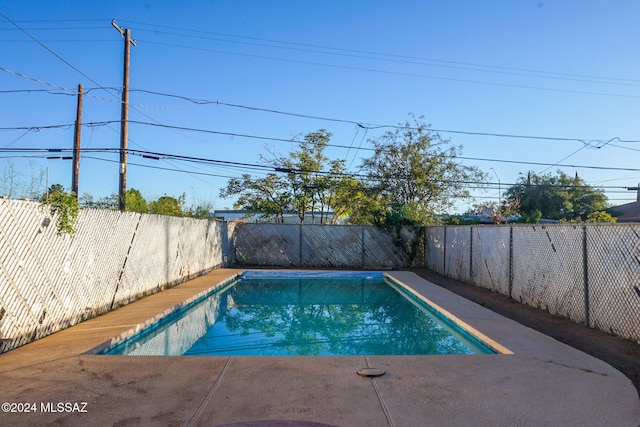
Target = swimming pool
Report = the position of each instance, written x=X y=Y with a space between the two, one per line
x=304 y=314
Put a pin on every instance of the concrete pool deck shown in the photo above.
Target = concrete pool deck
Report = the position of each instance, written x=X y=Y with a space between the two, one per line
x=543 y=383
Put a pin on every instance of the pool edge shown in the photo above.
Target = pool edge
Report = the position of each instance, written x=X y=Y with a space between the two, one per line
x=475 y=333
x=489 y=342
x=151 y=320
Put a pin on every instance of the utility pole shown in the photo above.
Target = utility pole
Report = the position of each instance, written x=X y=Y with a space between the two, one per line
x=124 y=120
x=76 y=145
x=637 y=190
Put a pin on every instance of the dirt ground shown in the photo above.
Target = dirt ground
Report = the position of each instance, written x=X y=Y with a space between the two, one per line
x=620 y=353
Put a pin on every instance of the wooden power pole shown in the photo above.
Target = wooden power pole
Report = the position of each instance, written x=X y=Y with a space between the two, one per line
x=76 y=145
x=124 y=120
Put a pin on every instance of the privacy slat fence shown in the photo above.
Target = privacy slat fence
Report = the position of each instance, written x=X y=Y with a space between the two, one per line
x=49 y=282
x=587 y=273
x=328 y=246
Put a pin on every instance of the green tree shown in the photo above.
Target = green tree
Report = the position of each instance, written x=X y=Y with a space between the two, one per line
x=167 y=205
x=532 y=217
x=307 y=182
x=356 y=202
x=200 y=211
x=135 y=202
x=600 y=216
x=107 y=202
x=269 y=195
x=63 y=205
x=559 y=197
x=415 y=173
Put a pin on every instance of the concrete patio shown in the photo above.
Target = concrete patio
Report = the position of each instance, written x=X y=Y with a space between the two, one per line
x=543 y=383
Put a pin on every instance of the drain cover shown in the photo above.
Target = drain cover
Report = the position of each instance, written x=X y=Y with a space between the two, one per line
x=370 y=372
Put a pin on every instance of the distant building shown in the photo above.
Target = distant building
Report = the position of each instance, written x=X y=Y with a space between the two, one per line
x=629 y=212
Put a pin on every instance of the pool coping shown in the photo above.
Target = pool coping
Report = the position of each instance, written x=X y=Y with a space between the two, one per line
x=490 y=342
x=484 y=339
x=543 y=382
x=151 y=320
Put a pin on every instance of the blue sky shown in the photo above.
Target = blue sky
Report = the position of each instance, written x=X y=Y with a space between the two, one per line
x=563 y=70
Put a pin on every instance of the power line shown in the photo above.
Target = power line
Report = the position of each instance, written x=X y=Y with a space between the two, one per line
x=362 y=124
x=388 y=55
x=359 y=147
x=163 y=168
x=73 y=92
x=314 y=48
x=398 y=73
x=61 y=126
x=346 y=156
x=200 y=101
x=17 y=139
x=548 y=164
x=24 y=76
x=469 y=67
x=32 y=90
x=60 y=41
x=291 y=140
x=152 y=155
x=563 y=159
x=48 y=49
x=63 y=20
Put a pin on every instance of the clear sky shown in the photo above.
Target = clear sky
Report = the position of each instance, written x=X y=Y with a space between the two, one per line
x=483 y=73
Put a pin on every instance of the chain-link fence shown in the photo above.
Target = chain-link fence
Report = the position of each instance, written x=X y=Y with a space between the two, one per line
x=613 y=274
x=49 y=281
x=328 y=246
x=587 y=272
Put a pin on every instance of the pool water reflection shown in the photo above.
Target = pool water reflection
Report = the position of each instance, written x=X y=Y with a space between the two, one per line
x=361 y=314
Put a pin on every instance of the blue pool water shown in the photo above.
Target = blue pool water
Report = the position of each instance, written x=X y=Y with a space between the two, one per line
x=265 y=314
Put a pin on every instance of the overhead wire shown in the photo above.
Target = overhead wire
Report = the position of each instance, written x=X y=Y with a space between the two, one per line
x=163 y=168
x=585 y=143
x=381 y=54
x=71 y=65
x=397 y=73
x=563 y=159
x=64 y=20
x=361 y=124
x=58 y=154
x=346 y=156
x=364 y=135
x=192 y=100
x=293 y=140
x=153 y=155
x=48 y=49
x=26 y=132
x=201 y=101
x=410 y=62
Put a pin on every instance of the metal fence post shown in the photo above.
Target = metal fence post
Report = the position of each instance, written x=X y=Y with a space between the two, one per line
x=362 y=243
x=300 y=250
x=444 y=253
x=425 y=244
x=585 y=272
x=510 y=260
x=471 y=254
